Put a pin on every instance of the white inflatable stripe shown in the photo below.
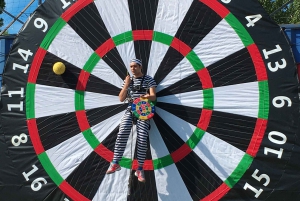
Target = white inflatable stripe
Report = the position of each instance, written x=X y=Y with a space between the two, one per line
x=169 y=17
x=182 y=128
x=67 y=44
x=211 y=48
x=241 y=99
x=114 y=186
x=69 y=154
x=221 y=157
x=95 y=100
x=116 y=17
x=53 y=100
x=106 y=73
x=170 y=185
x=181 y=71
x=190 y=99
x=170 y=14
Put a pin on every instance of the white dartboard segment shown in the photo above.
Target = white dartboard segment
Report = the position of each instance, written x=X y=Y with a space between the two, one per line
x=106 y=73
x=169 y=17
x=116 y=17
x=220 y=42
x=190 y=99
x=168 y=179
x=68 y=43
x=96 y=100
x=67 y=160
x=181 y=71
x=241 y=99
x=104 y=128
x=53 y=100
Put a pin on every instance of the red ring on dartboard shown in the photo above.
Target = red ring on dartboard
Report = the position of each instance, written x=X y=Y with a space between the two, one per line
x=143 y=108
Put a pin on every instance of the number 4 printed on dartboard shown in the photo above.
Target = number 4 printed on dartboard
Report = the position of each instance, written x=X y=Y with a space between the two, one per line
x=66 y=3
x=252 y=19
x=25 y=53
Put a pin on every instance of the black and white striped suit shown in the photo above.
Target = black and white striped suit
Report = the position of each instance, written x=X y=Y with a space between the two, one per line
x=126 y=124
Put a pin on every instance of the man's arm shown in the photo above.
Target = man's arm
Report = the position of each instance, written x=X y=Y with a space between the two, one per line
x=152 y=94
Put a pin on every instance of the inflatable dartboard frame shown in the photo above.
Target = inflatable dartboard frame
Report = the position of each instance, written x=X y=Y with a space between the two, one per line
x=261 y=162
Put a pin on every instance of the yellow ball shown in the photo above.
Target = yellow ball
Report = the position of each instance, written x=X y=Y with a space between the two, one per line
x=59 y=68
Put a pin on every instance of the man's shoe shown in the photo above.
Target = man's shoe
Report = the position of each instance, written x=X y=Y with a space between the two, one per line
x=113 y=167
x=140 y=175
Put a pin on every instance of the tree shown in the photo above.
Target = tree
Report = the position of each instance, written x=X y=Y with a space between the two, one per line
x=2 y=5
x=289 y=14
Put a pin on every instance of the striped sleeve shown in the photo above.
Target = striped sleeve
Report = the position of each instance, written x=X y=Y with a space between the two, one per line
x=151 y=82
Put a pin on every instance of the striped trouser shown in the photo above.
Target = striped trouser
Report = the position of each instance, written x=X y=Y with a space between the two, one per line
x=123 y=135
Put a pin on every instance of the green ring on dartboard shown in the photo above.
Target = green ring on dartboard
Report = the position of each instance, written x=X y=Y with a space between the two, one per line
x=192 y=57
x=143 y=109
x=207 y=92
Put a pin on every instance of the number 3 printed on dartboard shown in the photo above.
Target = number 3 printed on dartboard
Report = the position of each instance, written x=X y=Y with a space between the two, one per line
x=280 y=99
x=278 y=102
x=277 y=65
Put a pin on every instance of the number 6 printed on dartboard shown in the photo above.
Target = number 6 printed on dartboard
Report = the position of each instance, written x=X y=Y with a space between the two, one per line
x=36 y=181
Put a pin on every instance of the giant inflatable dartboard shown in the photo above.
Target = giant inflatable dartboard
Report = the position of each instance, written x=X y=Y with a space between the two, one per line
x=226 y=112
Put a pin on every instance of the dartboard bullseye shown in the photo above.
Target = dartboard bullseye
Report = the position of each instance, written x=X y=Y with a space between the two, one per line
x=226 y=116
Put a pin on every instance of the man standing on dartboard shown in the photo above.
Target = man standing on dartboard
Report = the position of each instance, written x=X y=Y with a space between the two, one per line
x=139 y=86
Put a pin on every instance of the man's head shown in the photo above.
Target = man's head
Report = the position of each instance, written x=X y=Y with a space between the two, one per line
x=136 y=67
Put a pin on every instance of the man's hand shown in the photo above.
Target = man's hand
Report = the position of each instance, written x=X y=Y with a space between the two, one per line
x=127 y=82
x=145 y=96
x=151 y=96
x=123 y=92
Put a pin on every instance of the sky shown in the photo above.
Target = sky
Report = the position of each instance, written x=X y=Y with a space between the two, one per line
x=15 y=7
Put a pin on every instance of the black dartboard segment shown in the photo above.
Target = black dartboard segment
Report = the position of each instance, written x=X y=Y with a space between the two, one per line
x=227 y=106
